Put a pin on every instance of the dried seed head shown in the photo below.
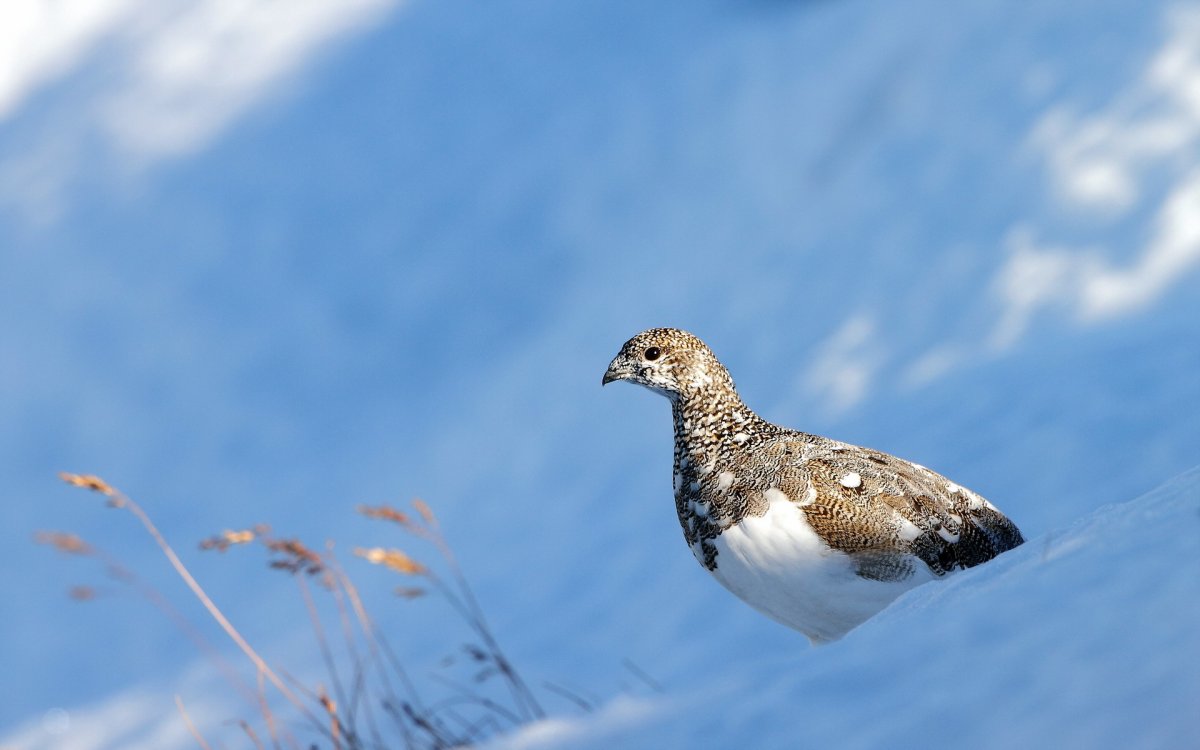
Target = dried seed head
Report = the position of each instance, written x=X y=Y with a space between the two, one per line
x=227 y=539
x=423 y=508
x=327 y=703
x=392 y=558
x=88 y=482
x=71 y=544
x=82 y=593
x=385 y=513
x=296 y=556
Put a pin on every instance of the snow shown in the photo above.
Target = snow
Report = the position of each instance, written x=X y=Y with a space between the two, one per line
x=372 y=250
x=1084 y=637
x=844 y=366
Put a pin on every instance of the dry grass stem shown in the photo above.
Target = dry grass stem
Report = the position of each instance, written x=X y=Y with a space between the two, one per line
x=249 y=730
x=335 y=587
x=363 y=668
x=460 y=596
x=121 y=501
x=377 y=646
x=265 y=709
x=335 y=726
x=191 y=727
x=322 y=642
x=426 y=512
x=73 y=544
x=641 y=674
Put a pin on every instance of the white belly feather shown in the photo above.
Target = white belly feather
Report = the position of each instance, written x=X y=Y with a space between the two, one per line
x=777 y=564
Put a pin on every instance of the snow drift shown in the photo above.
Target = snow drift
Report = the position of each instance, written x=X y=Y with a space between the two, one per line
x=1084 y=637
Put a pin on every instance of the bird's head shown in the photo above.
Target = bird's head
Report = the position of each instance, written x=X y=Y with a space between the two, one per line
x=668 y=361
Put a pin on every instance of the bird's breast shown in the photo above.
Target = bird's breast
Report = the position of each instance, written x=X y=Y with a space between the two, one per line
x=778 y=564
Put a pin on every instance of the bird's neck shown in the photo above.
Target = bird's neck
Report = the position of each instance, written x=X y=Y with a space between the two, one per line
x=710 y=426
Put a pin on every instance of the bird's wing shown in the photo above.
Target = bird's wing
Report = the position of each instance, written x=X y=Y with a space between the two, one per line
x=887 y=513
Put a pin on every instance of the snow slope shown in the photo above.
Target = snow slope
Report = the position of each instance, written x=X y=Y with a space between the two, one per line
x=319 y=274
x=1083 y=637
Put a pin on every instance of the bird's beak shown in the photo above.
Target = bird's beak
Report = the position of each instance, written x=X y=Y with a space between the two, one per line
x=616 y=371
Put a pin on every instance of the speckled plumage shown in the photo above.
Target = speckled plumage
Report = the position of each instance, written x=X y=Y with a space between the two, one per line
x=815 y=533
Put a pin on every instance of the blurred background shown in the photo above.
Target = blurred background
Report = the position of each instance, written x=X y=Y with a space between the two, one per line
x=262 y=261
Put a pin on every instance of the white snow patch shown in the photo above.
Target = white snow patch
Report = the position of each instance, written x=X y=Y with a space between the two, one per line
x=1099 y=160
x=1108 y=161
x=845 y=365
x=1095 y=604
x=1031 y=279
x=932 y=365
x=622 y=714
x=1091 y=288
x=139 y=718
x=40 y=41
x=194 y=70
x=176 y=74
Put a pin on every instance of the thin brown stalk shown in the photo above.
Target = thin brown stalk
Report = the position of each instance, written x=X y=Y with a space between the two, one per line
x=322 y=641
x=74 y=545
x=268 y=714
x=642 y=675
x=471 y=696
x=521 y=692
x=155 y=597
x=466 y=716
x=460 y=596
x=348 y=634
x=584 y=703
x=469 y=609
x=119 y=500
x=374 y=639
x=191 y=727
x=335 y=725
x=249 y=730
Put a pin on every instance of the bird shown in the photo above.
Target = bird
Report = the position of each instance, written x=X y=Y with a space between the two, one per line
x=817 y=534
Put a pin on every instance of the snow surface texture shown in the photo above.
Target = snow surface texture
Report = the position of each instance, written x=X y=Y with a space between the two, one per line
x=263 y=265
x=1086 y=637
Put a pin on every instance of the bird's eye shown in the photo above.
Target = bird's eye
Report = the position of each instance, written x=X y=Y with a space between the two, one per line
x=652 y=354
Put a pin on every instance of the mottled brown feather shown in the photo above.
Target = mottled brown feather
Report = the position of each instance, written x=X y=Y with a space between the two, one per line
x=886 y=513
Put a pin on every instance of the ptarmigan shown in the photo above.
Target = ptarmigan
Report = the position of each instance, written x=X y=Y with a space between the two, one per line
x=816 y=534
